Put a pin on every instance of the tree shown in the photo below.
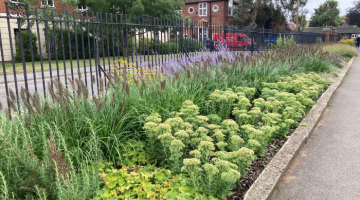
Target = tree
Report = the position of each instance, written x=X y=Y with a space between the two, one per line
x=268 y=16
x=154 y=8
x=353 y=14
x=326 y=15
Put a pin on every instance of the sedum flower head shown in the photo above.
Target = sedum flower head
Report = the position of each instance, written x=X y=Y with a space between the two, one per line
x=182 y=135
x=191 y=161
x=219 y=135
x=254 y=144
x=230 y=125
x=202 y=131
x=237 y=139
x=154 y=117
x=210 y=169
x=213 y=127
x=230 y=176
x=166 y=139
x=177 y=144
x=164 y=128
x=224 y=165
x=221 y=145
x=176 y=123
x=206 y=146
x=195 y=153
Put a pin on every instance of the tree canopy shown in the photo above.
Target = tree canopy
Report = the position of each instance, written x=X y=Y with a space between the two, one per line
x=154 y=8
x=326 y=15
x=267 y=14
x=353 y=14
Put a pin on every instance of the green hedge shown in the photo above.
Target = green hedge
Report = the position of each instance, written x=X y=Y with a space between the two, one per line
x=26 y=47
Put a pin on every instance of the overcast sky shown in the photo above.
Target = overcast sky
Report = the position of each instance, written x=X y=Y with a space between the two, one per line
x=343 y=5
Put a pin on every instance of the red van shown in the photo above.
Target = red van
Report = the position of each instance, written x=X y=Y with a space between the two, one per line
x=235 y=40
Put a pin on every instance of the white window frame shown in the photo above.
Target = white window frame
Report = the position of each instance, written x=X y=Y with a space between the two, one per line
x=231 y=8
x=202 y=7
x=47 y=3
x=353 y=35
x=81 y=8
x=217 y=8
x=192 y=10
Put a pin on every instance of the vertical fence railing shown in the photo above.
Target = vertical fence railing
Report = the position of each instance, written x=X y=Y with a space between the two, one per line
x=59 y=43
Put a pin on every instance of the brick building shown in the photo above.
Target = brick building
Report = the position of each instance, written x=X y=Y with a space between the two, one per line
x=210 y=11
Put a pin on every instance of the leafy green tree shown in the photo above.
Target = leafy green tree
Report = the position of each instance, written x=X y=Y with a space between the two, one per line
x=326 y=15
x=154 y=8
x=268 y=15
x=353 y=14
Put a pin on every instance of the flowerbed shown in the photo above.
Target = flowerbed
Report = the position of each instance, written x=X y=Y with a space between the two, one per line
x=190 y=134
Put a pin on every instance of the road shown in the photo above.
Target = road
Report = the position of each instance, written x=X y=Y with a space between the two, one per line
x=38 y=84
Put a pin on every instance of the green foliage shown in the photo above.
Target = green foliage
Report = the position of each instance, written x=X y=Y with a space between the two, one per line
x=159 y=8
x=102 y=127
x=38 y=164
x=134 y=154
x=319 y=40
x=141 y=182
x=326 y=15
x=283 y=42
x=26 y=47
x=111 y=48
x=187 y=131
x=191 y=45
x=341 y=49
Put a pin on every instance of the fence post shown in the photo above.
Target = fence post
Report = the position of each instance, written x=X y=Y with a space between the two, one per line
x=252 y=40
x=225 y=27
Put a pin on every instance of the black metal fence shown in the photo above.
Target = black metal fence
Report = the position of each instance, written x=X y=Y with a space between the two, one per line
x=37 y=45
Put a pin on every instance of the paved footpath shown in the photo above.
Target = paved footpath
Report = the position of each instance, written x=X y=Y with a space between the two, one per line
x=328 y=166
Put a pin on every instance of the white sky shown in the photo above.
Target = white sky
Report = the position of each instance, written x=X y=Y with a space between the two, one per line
x=343 y=5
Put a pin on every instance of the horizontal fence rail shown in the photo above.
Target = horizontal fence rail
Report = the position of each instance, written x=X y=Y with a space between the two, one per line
x=39 y=44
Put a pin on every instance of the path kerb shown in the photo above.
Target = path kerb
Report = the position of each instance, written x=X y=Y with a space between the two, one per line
x=268 y=180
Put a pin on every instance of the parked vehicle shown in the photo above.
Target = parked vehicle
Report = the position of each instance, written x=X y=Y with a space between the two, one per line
x=235 y=41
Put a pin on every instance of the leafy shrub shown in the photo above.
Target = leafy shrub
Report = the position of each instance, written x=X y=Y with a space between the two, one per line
x=192 y=45
x=337 y=60
x=111 y=48
x=341 y=49
x=35 y=166
x=350 y=41
x=188 y=130
x=319 y=40
x=283 y=42
x=26 y=47
x=148 y=182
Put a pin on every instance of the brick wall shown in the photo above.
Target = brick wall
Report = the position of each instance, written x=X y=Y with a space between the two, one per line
x=219 y=17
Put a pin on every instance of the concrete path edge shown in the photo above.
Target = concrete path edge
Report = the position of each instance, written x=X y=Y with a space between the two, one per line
x=268 y=180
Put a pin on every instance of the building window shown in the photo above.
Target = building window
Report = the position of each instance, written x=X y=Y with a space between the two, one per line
x=231 y=8
x=191 y=10
x=185 y=35
x=202 y=9
x=353 y=36
x=82 y=8
x=215 y=8
x=48 y=3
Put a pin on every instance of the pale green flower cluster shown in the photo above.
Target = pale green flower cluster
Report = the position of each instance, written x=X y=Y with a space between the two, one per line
x=215 y=150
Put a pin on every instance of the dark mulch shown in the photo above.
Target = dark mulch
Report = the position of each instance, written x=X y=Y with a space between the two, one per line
x=257 y=167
